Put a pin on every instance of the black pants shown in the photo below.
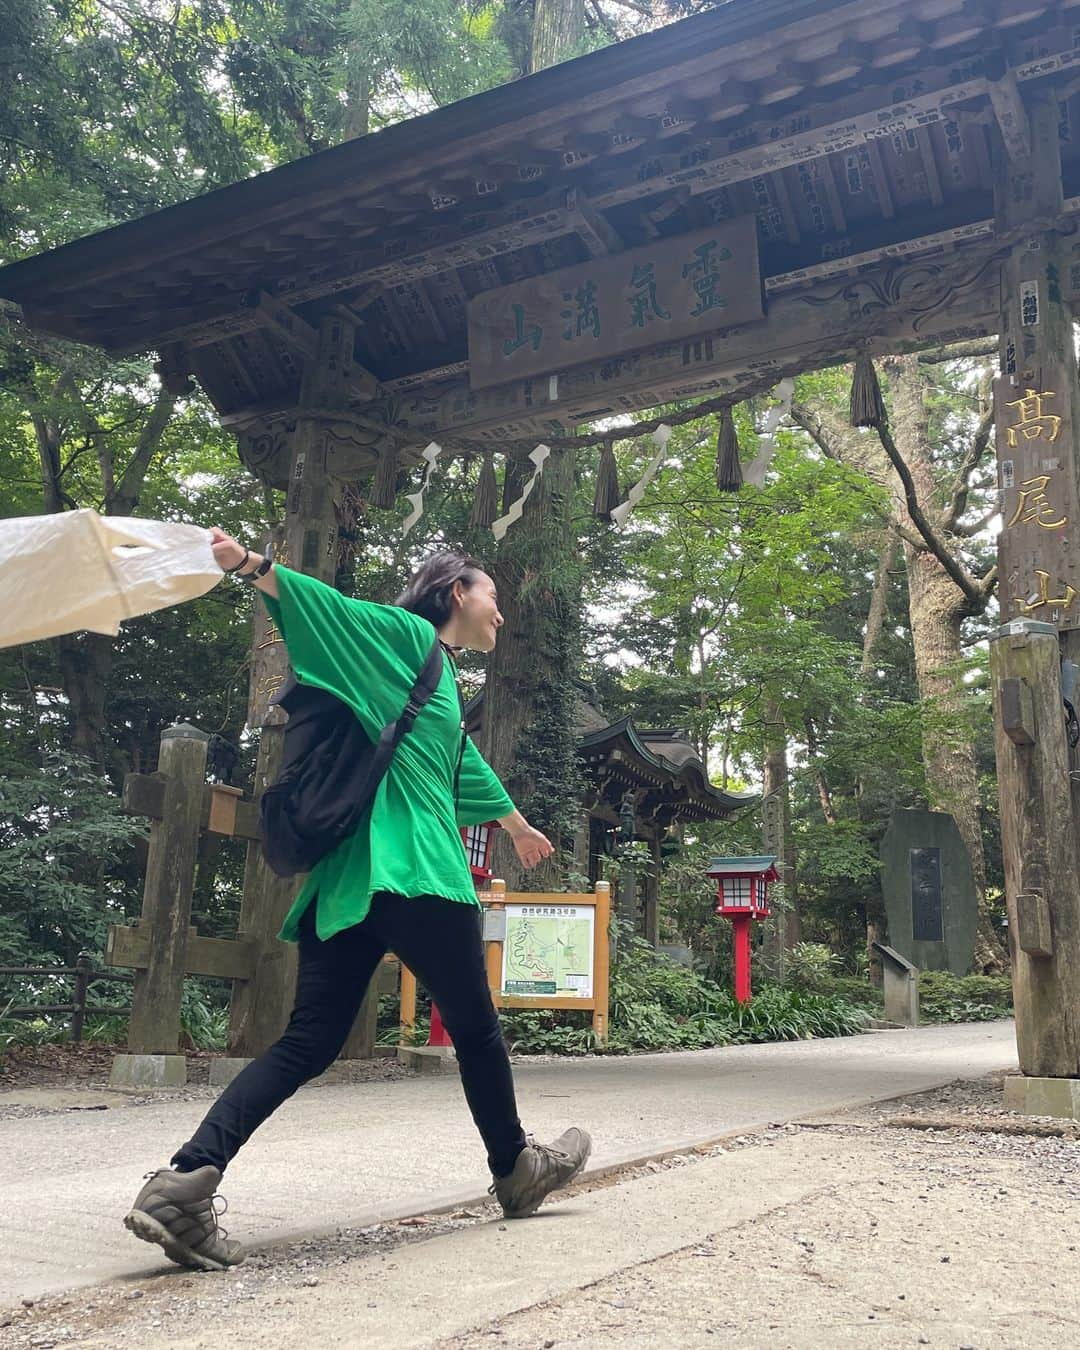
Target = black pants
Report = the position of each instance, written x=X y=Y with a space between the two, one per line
x=440 y=941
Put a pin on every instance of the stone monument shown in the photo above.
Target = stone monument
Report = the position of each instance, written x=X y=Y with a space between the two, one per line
x=929 y=891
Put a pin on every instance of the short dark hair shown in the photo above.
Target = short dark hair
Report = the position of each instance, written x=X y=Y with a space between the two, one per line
x=429 y=589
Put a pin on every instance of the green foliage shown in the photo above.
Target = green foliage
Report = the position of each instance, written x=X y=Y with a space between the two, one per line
x=810 y=964
x=963 y=998
x=54 y=820
x=657 y=1005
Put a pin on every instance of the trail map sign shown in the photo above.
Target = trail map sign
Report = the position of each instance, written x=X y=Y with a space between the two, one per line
x=548 y=949
x=670 y=289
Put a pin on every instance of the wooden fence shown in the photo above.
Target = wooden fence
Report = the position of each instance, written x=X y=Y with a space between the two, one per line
x=84 y=976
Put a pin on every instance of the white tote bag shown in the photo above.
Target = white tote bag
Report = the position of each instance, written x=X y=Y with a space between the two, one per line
x=77 y=570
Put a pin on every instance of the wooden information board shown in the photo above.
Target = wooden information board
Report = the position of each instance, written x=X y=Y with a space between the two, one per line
x=675 y=288
x=520 y=931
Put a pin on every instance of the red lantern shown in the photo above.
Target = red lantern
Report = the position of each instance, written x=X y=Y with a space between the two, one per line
x=742 y=895
x=478 y=840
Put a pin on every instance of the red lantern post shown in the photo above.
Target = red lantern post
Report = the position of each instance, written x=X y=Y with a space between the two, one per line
x=477 y=840
x=742 y=895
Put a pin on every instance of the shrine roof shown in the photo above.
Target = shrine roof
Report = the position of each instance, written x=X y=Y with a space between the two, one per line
x=665 y=762
x=724 y=867
x=853 y=131
x=662 y=762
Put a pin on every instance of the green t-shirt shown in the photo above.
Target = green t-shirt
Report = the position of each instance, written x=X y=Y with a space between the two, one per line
x=409 y=843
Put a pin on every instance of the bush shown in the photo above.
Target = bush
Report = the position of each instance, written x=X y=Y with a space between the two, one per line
x=657 y=1005
x=963 y=998
x=810 y=964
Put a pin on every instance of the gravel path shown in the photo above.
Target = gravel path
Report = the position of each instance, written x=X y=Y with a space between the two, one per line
x=939 y=1219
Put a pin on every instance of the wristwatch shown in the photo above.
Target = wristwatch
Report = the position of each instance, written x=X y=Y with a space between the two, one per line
x=263 y=567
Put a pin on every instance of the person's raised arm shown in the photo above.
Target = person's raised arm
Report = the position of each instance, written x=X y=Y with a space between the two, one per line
x=242 y=562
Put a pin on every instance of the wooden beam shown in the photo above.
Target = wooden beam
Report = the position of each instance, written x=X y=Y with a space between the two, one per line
x=778 y=188
x=1011 y=117
x=427 y=252
x=290 y=327
x=144 y=795
x=881 y=181
x=223 y=958
x=930 y=168
x=298 y=334
x=599 y=237
x=906 y=305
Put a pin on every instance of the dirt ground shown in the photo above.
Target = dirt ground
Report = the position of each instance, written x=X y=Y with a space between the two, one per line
x=72 y=1070
x=939 y=1220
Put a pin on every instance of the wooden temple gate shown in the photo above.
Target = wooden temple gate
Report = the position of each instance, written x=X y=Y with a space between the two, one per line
x=761 y=190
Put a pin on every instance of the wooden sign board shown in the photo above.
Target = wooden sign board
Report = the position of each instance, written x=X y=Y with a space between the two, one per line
x=671 y=289
x=1039 y=568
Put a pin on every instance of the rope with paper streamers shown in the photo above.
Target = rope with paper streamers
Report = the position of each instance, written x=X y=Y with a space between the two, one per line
x=500 y=526
x=660 y=436
x=430 y=455
x=754 y=473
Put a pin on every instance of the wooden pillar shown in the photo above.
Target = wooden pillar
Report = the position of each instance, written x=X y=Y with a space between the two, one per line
x=308 y=542
x=154 y=1028
x=1039 y=846
x=775 y=824
x=260 y=1005
x=652 y=891
x=1037 y=400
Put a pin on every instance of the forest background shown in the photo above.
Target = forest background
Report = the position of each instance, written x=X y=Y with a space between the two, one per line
x=818 y=638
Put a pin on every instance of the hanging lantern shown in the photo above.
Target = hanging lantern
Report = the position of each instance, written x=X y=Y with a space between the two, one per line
x=867 y=403
x=485 y=503
x=729 y=475
x=607 y=496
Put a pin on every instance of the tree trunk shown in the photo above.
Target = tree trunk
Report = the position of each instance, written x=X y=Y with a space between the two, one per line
x=776 y=837
x=528 y=736
x=85 y=662
x=558 y=26
x=936 y=609
x=879 y=603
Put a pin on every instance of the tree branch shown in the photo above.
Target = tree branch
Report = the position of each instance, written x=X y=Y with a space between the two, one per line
x=961 y=351
x=963 y=578
x=962 y=482
x=129 y=487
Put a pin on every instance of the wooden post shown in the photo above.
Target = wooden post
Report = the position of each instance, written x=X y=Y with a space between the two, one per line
x=260 y=1006
x=309 y=543
x=602 y=961
x=1039 y=844
x=407 y=1013
x=166 y=910
x=82 y=983
x=493 y=950
x=652 y=892
x=1037 y=418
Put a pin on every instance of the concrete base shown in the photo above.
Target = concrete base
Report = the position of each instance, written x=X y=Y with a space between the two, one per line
x=225 y=1069
x=1043 y=1096
x=428 y=1058
x=148 y=1071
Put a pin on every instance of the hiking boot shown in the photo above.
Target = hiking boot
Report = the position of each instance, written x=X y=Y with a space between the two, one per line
x=539 y=1170
x=176 y=1210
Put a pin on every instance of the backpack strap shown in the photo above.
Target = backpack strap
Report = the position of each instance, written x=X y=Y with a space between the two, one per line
x=426 y=684
x=394 y=733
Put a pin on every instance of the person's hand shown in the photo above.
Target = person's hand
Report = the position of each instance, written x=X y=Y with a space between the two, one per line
x=532 y=847
x=227 y=552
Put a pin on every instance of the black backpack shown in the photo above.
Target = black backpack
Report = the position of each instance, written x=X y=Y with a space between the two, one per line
x=330 y=770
